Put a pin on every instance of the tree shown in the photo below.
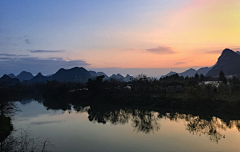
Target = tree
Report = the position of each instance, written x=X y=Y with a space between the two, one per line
x=196 y=76
x=222 y=77
x=202 y=77
x=95 y=85
x=7 y=108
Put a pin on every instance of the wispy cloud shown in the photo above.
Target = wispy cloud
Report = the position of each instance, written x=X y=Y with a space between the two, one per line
x=236 y=49
x=11 y=64
x=214 y=52
x=12 y=55
x=162 y=50
x=46 y=51
x=179 y=63
x=27 y=41
x=220 y=51
x=5 y=58
x=6 y=54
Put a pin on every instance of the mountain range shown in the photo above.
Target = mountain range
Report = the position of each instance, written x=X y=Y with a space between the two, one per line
x=190 y=72
x=5 y=81
x=76 y=74
x=95 y=74
x=22 y=76
x=228 y=62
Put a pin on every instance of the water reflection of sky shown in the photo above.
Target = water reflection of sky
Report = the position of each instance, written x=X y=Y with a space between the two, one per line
x=32 y=108
x=74 y=132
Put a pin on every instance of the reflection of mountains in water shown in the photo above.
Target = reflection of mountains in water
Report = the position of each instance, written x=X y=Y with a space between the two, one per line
x=148 y=120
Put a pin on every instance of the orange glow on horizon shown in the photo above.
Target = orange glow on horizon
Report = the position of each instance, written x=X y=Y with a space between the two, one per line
x=203 y=25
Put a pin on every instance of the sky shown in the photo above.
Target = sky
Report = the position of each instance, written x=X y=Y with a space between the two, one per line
x=152 y=37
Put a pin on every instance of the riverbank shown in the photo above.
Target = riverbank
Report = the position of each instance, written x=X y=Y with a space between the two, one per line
x=5 y=127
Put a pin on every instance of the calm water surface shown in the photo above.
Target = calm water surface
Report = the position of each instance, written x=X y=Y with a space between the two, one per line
x=122 y=129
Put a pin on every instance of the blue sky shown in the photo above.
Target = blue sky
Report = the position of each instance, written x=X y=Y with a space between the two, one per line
x=106 y=34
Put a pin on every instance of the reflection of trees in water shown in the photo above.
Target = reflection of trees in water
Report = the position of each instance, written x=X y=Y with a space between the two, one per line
x=212 y=128
x=234 y=123
x=24 y=141
x=119 y=116
x=81 y=109
x=147 y=121
x=142 y=120
x=64 y=105
x=57 y=105
x=197 y=126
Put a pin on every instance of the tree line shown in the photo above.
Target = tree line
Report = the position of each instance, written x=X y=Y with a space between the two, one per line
x=198 y=92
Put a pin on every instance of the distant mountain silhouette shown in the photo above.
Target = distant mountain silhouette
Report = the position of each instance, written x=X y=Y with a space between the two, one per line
x=238 y=52
x=128 y=78
x=39 y=78
x=117 y=76
x=190 y=72
x=24 y=76
x=105 y=76
x=75 y=74
x=121 y=78
x=228 y=62
x=95 y=74
x=12 y=75
x=5 y=80
x=203 y=70
x=114 y=76
x=169 y=74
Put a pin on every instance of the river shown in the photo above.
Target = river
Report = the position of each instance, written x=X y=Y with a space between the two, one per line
x=94 y=128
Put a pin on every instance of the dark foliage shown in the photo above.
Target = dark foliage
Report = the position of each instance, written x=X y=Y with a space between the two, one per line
x=173 y=91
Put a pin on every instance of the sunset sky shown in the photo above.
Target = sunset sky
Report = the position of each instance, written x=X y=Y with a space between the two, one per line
x=46 y=35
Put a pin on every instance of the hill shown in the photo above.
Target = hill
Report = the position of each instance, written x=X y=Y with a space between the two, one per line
x=228 y=62
x=190 y=72
x=75 y=74
x=24 y=76
x=5 y=81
